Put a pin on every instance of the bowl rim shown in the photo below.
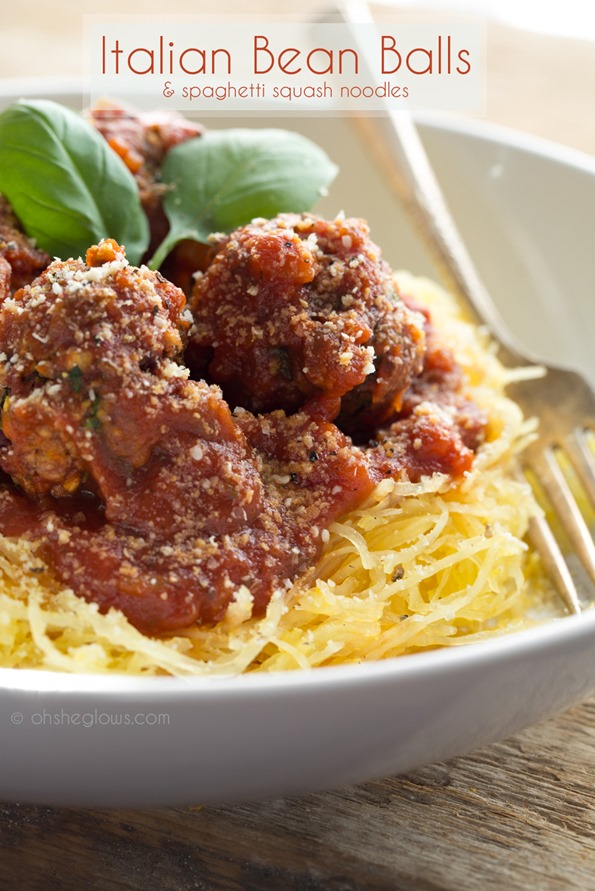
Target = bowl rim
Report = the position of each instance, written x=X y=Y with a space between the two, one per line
x=565 y=631
x=54 y=87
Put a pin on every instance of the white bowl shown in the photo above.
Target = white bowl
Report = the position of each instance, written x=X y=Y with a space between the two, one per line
x=525 y=208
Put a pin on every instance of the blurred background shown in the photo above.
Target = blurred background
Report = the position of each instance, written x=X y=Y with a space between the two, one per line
x=540 y=58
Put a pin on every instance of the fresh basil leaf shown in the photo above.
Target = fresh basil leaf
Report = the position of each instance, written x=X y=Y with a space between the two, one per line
x=66 y=186
x=228 y=177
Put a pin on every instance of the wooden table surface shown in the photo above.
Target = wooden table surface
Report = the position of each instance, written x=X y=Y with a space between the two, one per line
x=517 y=815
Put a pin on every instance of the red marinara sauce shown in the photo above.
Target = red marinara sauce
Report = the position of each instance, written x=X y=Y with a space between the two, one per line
x=139 y=486
x=143 y=490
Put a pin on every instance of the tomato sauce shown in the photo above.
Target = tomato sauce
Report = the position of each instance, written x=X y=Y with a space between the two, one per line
x=164 y=494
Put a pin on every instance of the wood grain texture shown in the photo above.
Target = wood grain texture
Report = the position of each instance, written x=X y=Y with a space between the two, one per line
x=517 y=815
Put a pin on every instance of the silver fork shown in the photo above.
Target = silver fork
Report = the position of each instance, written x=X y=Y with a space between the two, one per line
x=562 y=400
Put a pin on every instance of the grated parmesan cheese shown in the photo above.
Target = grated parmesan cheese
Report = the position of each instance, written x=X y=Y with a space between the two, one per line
x=419 y=566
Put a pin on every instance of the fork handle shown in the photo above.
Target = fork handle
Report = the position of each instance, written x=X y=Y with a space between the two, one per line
x=393 y=137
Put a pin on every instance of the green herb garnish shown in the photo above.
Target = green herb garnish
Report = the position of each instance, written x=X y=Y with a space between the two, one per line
x=68 y=188
x=226 y=178
x=75 y=378
x=92 y=421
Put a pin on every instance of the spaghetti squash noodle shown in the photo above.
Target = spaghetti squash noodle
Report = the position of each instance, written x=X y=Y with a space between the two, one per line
x=419 y=565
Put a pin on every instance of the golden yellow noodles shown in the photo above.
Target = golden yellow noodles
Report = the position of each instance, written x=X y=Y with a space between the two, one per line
x=418 y=566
